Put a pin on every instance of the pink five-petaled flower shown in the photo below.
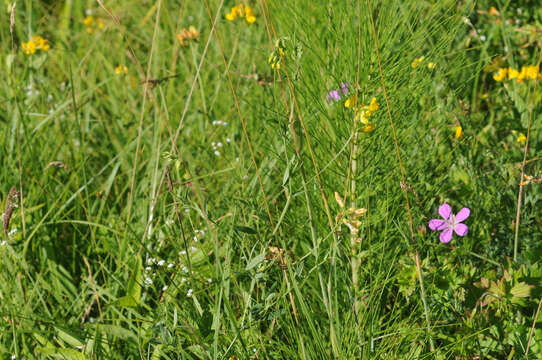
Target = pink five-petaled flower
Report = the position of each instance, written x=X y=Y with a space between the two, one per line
x=450 y=223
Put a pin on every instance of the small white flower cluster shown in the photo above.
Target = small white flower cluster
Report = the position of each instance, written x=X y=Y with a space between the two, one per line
x=216 y=146
x=149 y=269
x=31 y=91
x=219 y=123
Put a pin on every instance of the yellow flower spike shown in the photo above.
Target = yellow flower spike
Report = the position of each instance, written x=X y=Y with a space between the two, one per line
x=369 y=128
x=230 y=16
x=501 y=75
x=521 y=139
x=351 y=102
x=458 y=131
x=431 y=65
x=512 y=73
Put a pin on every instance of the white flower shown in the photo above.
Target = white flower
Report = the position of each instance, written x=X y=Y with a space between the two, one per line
x=164 y=288
x=170 y=265
x=161 y=263
x=217 y=153
x=148 y=281
x=189 y=293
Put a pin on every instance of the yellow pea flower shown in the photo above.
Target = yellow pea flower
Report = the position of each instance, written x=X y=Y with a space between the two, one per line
x=431 y=65
x=29 y=48
x=417 y=62
x=121 y=70
x=501 y=75
x=512 y=73
x=531 y=72
x=521 y=139
x=373 y=107
x=369 y=128
x=351 y=102
x=458 y=131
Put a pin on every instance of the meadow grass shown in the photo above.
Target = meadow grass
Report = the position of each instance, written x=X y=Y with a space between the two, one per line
x=200 y=198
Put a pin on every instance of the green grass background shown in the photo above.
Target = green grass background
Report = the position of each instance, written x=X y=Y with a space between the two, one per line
x=75 y=270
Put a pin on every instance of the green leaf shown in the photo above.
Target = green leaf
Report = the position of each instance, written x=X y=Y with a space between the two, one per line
x=245 y=229
x=255 y=262
x=521 y=290
x=133 y=296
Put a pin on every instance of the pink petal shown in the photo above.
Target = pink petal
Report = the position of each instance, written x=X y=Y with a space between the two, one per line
x=462 y=215
x=437 y=224
x=461 y=229
x=445 y=211
x=446 y=235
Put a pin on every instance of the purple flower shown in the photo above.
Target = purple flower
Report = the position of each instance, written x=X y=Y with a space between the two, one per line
x=450 y=223
x=344 y=88
x=333 y=95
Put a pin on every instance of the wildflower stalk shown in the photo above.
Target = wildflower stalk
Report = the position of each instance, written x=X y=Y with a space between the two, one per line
x=354 y=261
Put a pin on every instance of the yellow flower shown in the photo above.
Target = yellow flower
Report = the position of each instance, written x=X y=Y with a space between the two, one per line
x=417 y=62
x=521 y=139
x=88 y=22
x=91 y=23
x=100 y=23
x=369 y=128
x=121 y=70
x=531 y=72
x=41 y=43
x=230 y=16
x=351 y=102
x=29 y=48
x=191 y=34
x=501 y=75
x=431 y=65
x=241 y=10
x=373 y=107
x=512 y=73
x=194 y=33
x=458 y=131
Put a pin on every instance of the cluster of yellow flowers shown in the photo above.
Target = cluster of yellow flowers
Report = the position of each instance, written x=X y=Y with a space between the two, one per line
x=418 y=61
x=277 y=54
x=121 y=70
x=527 y=72
x=35 y=44
x=362 y=112
x=242 y=11
x=186 y=35
x=92 y=23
